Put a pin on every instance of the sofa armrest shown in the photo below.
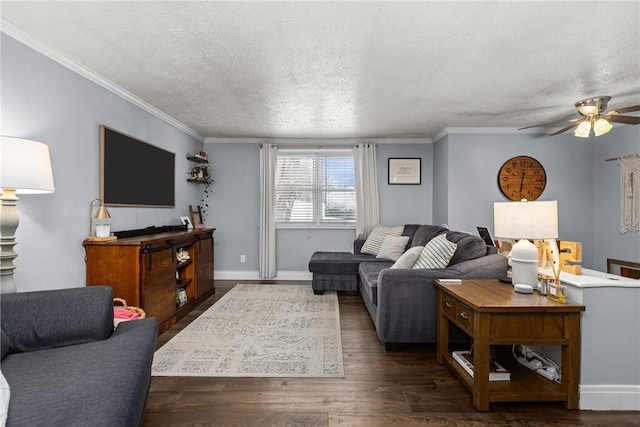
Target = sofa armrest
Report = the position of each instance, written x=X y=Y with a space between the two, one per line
x=406 y=304
x=407 y=297
x=56 y=318
x=487 y=267
x=357 y=245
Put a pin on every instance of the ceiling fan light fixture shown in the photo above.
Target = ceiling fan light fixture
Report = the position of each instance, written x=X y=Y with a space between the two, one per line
x=592 y=106
x=588 y=110
x=601 y=126
x=583 y=130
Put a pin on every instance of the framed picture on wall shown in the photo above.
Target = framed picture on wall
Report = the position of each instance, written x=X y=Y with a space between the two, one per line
x=405 y=171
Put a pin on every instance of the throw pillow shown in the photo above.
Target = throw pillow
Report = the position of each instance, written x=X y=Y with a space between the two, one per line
x=376 y=238
x=408 y=258
x=5 y=394
x=392 y=247
x=437 y=253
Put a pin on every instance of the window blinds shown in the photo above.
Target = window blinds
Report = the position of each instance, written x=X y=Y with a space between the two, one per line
x=315 y=187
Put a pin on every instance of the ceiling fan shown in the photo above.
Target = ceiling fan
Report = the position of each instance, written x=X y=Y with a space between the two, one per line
x=593 y=115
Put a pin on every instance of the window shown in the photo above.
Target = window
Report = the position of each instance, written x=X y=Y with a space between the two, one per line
x=315 y=187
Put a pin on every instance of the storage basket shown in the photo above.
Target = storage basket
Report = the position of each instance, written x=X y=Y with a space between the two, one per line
x=119 y=302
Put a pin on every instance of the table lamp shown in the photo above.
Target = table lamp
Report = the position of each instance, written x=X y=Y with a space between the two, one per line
x=102 y=220
x=25 y=168
x=525 y=220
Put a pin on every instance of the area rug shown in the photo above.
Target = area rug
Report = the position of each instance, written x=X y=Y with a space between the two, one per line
x=259 y=331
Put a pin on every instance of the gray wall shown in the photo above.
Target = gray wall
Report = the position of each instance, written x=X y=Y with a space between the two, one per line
x=235 y=203
x=45 y=101
x=441 y=181
x=471 y=180
x=608 y=241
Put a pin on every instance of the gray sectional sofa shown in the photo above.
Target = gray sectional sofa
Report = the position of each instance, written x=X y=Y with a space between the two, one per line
x=67 y=366
x=401 y=301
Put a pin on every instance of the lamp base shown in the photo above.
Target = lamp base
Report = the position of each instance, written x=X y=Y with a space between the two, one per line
x=8 y=225
x=524 y=263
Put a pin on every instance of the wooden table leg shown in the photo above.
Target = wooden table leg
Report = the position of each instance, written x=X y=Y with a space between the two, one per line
x=442 y=340
x=481 y=357
x=571 y=360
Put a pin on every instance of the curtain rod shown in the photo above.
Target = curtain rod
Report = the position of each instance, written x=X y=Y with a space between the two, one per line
x=622 y=157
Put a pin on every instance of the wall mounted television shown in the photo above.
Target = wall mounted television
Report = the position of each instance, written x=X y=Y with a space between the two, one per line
x=135 y=173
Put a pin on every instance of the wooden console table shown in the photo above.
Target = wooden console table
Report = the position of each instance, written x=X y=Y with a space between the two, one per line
x=492 y=313
x=144 y=270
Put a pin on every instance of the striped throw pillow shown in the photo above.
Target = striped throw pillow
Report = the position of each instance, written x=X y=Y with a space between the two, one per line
x=374 y=242
x=436 y=253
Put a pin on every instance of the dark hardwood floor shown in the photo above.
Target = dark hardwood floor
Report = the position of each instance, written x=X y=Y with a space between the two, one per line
x=406 y=388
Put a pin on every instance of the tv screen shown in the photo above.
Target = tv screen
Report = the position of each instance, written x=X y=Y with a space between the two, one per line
x=135 y=173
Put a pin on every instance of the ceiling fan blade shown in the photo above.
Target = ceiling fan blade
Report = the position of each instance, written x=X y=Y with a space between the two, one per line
x=625 y=109
x=565 y=129
x=628 y=120
x=549 y=124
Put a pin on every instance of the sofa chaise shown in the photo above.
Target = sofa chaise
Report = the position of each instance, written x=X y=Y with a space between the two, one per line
x=66 y=365
x=402 y=301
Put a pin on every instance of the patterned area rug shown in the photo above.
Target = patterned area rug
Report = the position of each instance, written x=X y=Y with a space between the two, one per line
x=259 y=331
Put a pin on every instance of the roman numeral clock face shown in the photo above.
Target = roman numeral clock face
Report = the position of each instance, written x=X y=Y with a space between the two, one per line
x=522 y=177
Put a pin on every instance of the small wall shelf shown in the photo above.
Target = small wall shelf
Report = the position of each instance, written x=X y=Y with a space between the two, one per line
x=199 y=173
x=199 y=180
x=197 y=159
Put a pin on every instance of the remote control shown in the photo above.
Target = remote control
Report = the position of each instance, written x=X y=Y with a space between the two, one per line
x=450 y=281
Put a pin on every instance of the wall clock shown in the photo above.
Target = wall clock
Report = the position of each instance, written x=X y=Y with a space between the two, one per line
x=522 y=177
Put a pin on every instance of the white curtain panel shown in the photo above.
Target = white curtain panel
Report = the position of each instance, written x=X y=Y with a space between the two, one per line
x=367 y=207
x=629 y=194
x=268 y=162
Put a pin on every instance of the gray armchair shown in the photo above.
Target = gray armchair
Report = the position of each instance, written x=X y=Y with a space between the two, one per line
x=67 y=366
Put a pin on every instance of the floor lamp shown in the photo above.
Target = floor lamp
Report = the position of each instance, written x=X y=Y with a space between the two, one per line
x=25 y=168
x=523 y=221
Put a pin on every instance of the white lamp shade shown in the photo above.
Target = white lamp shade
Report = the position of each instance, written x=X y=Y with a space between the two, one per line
x=25 y=166
x=526 y=220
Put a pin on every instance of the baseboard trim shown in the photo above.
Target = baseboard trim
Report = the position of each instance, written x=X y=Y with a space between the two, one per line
x=610 y=397
x=253 y=275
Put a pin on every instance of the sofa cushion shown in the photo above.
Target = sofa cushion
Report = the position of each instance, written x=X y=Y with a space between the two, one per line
x=376 y=238
x=57 y=323
x=469 y=246
x=100 y=384
x=436 y=254
x=337 y=262
x=368 y=273
x=4 y=344
x=425 y=233
x=408 y=258
x=393 y=247
x=410 y=231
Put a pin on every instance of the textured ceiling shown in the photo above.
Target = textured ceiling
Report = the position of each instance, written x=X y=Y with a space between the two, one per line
x=349 y=69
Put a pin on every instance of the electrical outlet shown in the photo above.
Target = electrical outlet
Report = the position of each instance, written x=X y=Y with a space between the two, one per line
x=243 y=258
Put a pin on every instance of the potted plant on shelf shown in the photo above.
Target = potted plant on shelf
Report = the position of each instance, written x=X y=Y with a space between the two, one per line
x=200 y=173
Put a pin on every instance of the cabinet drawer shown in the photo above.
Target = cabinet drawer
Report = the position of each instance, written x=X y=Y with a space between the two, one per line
x=464 y=317
x=449 y=306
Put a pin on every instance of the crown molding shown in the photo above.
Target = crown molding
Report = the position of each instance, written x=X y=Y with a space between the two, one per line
x=12 y=31
x=317 y=141
x=489 y=130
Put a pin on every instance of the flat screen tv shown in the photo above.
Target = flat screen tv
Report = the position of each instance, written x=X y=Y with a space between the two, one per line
x=135 y=173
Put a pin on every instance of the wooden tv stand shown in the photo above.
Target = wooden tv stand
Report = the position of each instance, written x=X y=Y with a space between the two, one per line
x=145 y=272
x=492 y=313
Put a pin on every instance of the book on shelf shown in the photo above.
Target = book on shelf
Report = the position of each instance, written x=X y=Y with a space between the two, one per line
x=496 y=372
